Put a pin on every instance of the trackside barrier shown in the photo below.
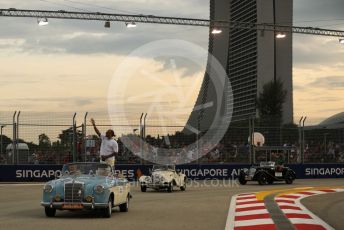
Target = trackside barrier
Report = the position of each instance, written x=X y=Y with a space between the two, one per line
x=37 y=173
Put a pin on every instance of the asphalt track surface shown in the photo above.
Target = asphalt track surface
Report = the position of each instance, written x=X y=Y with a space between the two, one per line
x=204 y=205
x=329 y=207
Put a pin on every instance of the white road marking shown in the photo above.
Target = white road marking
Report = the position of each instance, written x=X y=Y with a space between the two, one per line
x=251 y=212
x=253 y=222
x=250 y=205
x=246 y=200
x=231 y=214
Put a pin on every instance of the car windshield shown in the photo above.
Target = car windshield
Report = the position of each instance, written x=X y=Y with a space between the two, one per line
x=99 y=169
x=267 y=164
x=163 y=167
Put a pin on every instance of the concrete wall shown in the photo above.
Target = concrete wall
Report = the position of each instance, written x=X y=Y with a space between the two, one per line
x=284 y=9
x=219 y=48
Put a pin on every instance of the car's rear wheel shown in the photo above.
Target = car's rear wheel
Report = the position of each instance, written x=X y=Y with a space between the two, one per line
x=262 y=179
x=242 y=179
x=143 y=188
x=289 y=179
x=50 y=212
x=124 y=207
x=108 y=210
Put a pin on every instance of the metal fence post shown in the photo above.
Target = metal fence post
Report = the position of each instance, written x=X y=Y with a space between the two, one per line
x=84 y=135
x=14 y=140
x=303 y=140
x=300 y=141
x=73 y=144
x=2 y=126
x=144 y=135
x=250 y=142
x=141 y=141
x=253 y=144
x=17 y=136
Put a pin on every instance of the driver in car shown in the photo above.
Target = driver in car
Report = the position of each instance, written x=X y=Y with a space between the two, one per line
x=72 y=169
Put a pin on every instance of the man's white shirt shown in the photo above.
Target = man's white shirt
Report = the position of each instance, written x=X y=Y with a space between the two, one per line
x=107 y=147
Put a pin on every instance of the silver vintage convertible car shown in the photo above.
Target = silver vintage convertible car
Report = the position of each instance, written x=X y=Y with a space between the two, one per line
x=164 y=177
x=86 y=186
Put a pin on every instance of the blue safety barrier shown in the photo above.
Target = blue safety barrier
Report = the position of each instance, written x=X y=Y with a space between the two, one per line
x=30 y=173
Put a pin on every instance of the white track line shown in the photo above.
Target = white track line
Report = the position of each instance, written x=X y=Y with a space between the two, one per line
x=231 y=214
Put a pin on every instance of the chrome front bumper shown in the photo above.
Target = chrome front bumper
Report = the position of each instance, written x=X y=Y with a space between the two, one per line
x=59 y=205
x=156 y=185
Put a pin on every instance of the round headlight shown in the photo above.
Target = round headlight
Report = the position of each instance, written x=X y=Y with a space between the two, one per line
x=57 y=198
x=48 y=188
x=89 y=199
x=99 y=188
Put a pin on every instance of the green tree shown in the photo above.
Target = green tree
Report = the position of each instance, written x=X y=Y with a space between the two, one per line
x=270 y=103
x=66 y=137
x=5 y=141
x=44 y=141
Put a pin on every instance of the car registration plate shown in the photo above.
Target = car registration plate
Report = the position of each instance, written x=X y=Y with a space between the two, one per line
x=278 y=174
x=72 y=206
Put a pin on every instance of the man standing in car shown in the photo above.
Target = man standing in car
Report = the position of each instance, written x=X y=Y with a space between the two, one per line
x=108 y=147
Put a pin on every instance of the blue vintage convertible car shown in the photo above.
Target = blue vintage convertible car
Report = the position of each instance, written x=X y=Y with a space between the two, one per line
x=86 y=186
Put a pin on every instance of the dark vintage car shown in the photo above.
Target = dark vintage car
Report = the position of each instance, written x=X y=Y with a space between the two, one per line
x=267 y=173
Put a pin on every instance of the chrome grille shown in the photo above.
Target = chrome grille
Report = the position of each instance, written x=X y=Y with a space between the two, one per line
x=156 y=178
x=74 y=192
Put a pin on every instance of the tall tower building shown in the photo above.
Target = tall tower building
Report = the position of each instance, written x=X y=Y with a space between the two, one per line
x=250 y=58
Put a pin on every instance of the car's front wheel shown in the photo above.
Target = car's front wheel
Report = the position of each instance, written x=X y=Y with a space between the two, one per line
x=143 y=188
x=170 y=188
x=108 y=210
x=124 y=207
x=50 y=212
x=262 y=179
x=183 y=188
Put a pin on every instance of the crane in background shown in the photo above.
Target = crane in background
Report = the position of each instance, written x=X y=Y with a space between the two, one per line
x=131 y=20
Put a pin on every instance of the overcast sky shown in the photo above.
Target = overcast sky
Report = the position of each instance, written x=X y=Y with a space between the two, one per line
x=69 y=65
